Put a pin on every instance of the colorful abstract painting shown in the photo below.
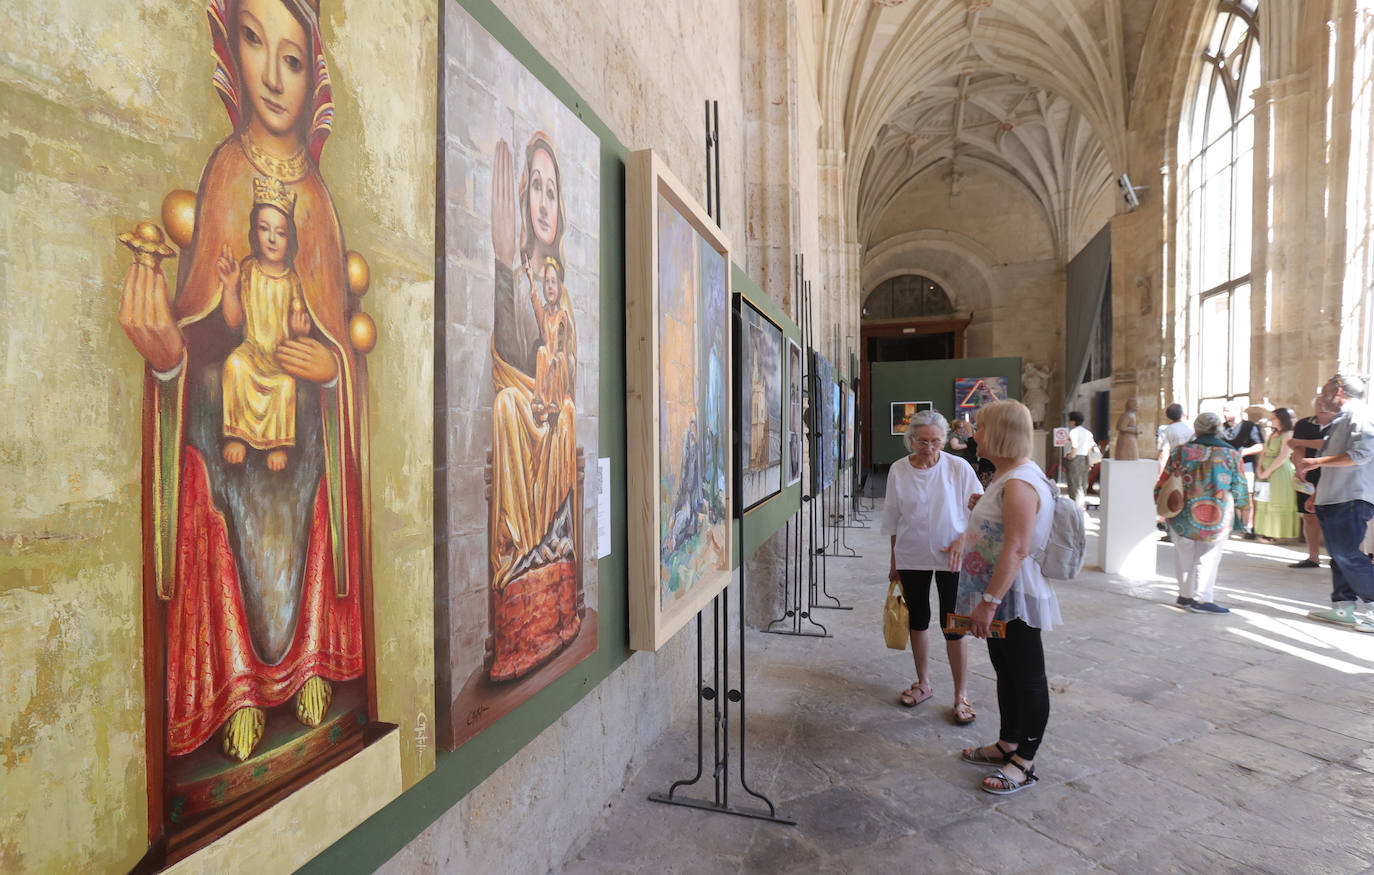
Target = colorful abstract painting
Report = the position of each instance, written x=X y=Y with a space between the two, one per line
x=971 y=393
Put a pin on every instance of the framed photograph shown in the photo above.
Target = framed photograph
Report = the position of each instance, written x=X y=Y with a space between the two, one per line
x=835 y=445
x=793 y=461
x=760 y=404
x=679 y=402
x=515 y=608
x=847 y=392
x=902 y=411
x=972 y=393
x=824 y=398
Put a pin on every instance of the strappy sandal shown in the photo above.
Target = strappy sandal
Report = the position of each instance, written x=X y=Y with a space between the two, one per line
x=963 y=712
x=915 y=695
x=978 y=756
x=1009 y=784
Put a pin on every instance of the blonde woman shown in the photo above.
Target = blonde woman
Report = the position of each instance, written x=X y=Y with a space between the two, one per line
x=1002 y=581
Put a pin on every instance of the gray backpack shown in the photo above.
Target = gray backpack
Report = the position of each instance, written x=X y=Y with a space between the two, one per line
x=1062 y=557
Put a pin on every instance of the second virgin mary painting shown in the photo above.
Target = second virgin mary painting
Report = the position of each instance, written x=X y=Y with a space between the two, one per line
x=515 y=605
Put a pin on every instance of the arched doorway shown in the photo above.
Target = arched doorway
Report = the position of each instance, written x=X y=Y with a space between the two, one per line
x=909 y=317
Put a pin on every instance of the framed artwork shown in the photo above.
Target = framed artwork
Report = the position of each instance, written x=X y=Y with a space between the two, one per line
x=836 y=445
x=902 y=411
x=761 y=404
x=971 y=393
x=847 y=401
x=257 y=604
x=793 y=460
x=824 y=415
x=679 y=403
x=516 y=606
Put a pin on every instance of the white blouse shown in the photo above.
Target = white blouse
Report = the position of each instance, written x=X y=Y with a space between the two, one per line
x=927 y=508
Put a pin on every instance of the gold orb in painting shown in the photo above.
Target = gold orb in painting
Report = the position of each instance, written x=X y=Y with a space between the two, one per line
x=146 y=243
x=359 y=274
x=362 y=332
x=179 y=216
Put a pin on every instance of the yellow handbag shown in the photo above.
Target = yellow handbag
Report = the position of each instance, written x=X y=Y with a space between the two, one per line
x=896 y=622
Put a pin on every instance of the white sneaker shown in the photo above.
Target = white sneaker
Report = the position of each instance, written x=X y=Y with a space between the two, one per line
x=1364 y=620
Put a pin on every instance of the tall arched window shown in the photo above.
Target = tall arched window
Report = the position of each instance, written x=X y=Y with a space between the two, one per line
x=1220 y=146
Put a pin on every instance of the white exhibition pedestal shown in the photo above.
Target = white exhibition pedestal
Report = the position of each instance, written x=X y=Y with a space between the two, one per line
x=1127 y=535
x=1038 y=442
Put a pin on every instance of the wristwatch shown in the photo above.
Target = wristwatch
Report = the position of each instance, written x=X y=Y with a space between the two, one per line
x=990 y=600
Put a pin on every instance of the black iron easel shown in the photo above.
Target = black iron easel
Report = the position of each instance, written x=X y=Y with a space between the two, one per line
x=720 y=608
x=797 y=590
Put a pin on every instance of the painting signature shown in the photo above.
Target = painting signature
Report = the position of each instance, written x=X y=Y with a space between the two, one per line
x=476 y=713
x=421 y=734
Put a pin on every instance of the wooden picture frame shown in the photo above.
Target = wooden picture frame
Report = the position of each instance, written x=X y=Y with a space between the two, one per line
x=678 y=498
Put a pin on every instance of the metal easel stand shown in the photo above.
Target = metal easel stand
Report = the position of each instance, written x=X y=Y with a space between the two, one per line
x=720 y=607
x=797 y=602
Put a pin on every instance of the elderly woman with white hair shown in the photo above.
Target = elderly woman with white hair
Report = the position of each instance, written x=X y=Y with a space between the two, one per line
x=929 y=494
x=1212 y=503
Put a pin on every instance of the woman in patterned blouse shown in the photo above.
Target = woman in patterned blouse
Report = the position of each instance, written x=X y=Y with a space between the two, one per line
x=1215 y=498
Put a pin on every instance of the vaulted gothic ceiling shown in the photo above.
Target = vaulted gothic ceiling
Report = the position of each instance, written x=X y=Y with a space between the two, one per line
x=1033 y=92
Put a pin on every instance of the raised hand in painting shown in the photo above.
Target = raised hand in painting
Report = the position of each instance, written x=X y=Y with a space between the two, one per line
x=147 y=319
x=503 y=205
x=231 y=304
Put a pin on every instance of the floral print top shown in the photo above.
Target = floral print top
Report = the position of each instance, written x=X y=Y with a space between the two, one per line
x=1031 y=598
x=1214 y=490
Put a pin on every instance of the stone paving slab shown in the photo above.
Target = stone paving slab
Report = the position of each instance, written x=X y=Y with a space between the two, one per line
x=1177 y=743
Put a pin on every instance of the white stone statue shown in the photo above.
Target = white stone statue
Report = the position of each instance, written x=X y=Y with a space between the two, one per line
x=1035 y=384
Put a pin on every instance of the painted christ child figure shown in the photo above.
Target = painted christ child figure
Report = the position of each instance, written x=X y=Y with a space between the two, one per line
x=263 y=297
x=552 y=375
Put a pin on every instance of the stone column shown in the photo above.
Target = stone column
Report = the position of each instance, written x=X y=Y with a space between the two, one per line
x=772 y=221
x=1295 y=310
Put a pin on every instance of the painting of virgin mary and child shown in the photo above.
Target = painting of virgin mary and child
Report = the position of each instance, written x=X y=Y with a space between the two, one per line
x=254 y=436
x=516 y=607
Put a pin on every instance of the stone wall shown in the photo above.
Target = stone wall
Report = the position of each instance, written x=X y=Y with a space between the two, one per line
x=1310 y=300
x=645 y=69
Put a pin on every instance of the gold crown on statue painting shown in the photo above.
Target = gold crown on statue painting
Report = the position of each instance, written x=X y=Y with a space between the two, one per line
x=273 y=193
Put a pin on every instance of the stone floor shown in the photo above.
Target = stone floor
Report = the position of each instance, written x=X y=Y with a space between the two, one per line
x=1177 y=742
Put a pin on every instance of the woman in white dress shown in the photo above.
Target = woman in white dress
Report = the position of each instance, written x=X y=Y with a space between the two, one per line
x=929 y=494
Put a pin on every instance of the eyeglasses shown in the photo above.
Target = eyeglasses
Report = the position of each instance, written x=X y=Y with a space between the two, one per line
x=922 y=442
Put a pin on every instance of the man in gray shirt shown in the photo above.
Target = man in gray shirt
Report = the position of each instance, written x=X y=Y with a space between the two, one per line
x=1345 y=504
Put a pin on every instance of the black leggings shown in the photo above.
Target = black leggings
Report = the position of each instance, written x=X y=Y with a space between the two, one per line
x=916 y=591
x=1023 y=693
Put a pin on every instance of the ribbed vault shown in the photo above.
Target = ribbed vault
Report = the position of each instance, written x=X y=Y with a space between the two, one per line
x=1032 y=91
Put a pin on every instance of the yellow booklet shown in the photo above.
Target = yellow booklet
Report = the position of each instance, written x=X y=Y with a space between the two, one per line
x=960 y=624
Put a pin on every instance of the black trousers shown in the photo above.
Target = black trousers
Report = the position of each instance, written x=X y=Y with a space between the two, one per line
x=1023 y=692
x=916 y=591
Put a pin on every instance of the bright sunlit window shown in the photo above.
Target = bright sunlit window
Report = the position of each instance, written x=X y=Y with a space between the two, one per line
x=1220 y=146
